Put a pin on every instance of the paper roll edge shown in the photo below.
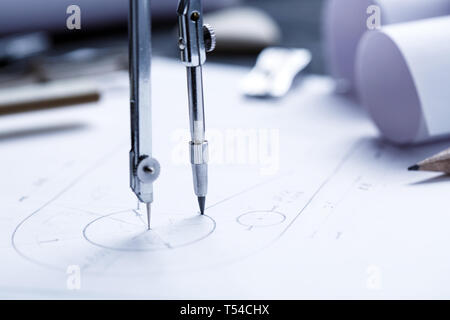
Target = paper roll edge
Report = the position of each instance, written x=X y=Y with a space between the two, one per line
x=387 y=90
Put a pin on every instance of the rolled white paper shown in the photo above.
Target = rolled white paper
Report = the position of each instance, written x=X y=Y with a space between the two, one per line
x=345 y=22
x=403 y=76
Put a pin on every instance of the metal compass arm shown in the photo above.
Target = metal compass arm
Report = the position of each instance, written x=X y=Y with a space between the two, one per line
x=144 y=170
x=195 y=39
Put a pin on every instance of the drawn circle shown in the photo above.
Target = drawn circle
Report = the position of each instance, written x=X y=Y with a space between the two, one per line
x=258 y=219
x=120 y=232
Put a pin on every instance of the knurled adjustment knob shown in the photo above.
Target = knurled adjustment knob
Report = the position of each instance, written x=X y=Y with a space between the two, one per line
x=210 y=38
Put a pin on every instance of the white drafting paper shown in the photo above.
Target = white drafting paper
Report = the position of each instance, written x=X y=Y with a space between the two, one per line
x=320 y=207
x=403 y=73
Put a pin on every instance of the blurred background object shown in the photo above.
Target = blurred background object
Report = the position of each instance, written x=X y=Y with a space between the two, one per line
x=23 y=46
x=292 y=23
x=49 y=95
x=36 y=45
x=50 y=15
x=345 y=22
x=251 y=29
x=275 y=71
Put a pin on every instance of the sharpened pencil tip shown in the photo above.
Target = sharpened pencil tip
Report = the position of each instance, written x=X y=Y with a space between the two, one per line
x=414 y=168
x=201 y=203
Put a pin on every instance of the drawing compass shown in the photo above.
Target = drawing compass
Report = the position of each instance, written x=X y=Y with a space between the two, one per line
x=144 y=169
x=195 y=40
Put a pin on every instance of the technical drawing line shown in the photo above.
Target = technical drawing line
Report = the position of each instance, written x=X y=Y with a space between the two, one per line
x=46 y=204
x=343 y=161
x=102 y=215
x=347 y=156
x=168 y=245
x=102 y=160
x=246 y=190
x=78 y=179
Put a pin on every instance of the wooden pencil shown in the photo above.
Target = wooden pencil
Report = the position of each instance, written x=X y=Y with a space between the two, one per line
x=437 y=163
x=47 y=95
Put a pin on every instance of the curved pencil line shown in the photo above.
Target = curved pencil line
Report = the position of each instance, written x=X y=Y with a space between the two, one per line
x=59 y=194
x=144 y=250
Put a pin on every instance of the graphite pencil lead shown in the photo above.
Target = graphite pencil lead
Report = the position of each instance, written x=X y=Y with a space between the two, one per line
x=201 y=203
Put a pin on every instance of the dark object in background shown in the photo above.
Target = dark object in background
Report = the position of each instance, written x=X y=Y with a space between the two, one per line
x=299 y=21
x=51 y=15
x=300 y=24
x=15 y=48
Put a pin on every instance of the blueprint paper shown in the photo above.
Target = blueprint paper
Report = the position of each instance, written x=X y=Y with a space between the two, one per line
x=319 y=208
